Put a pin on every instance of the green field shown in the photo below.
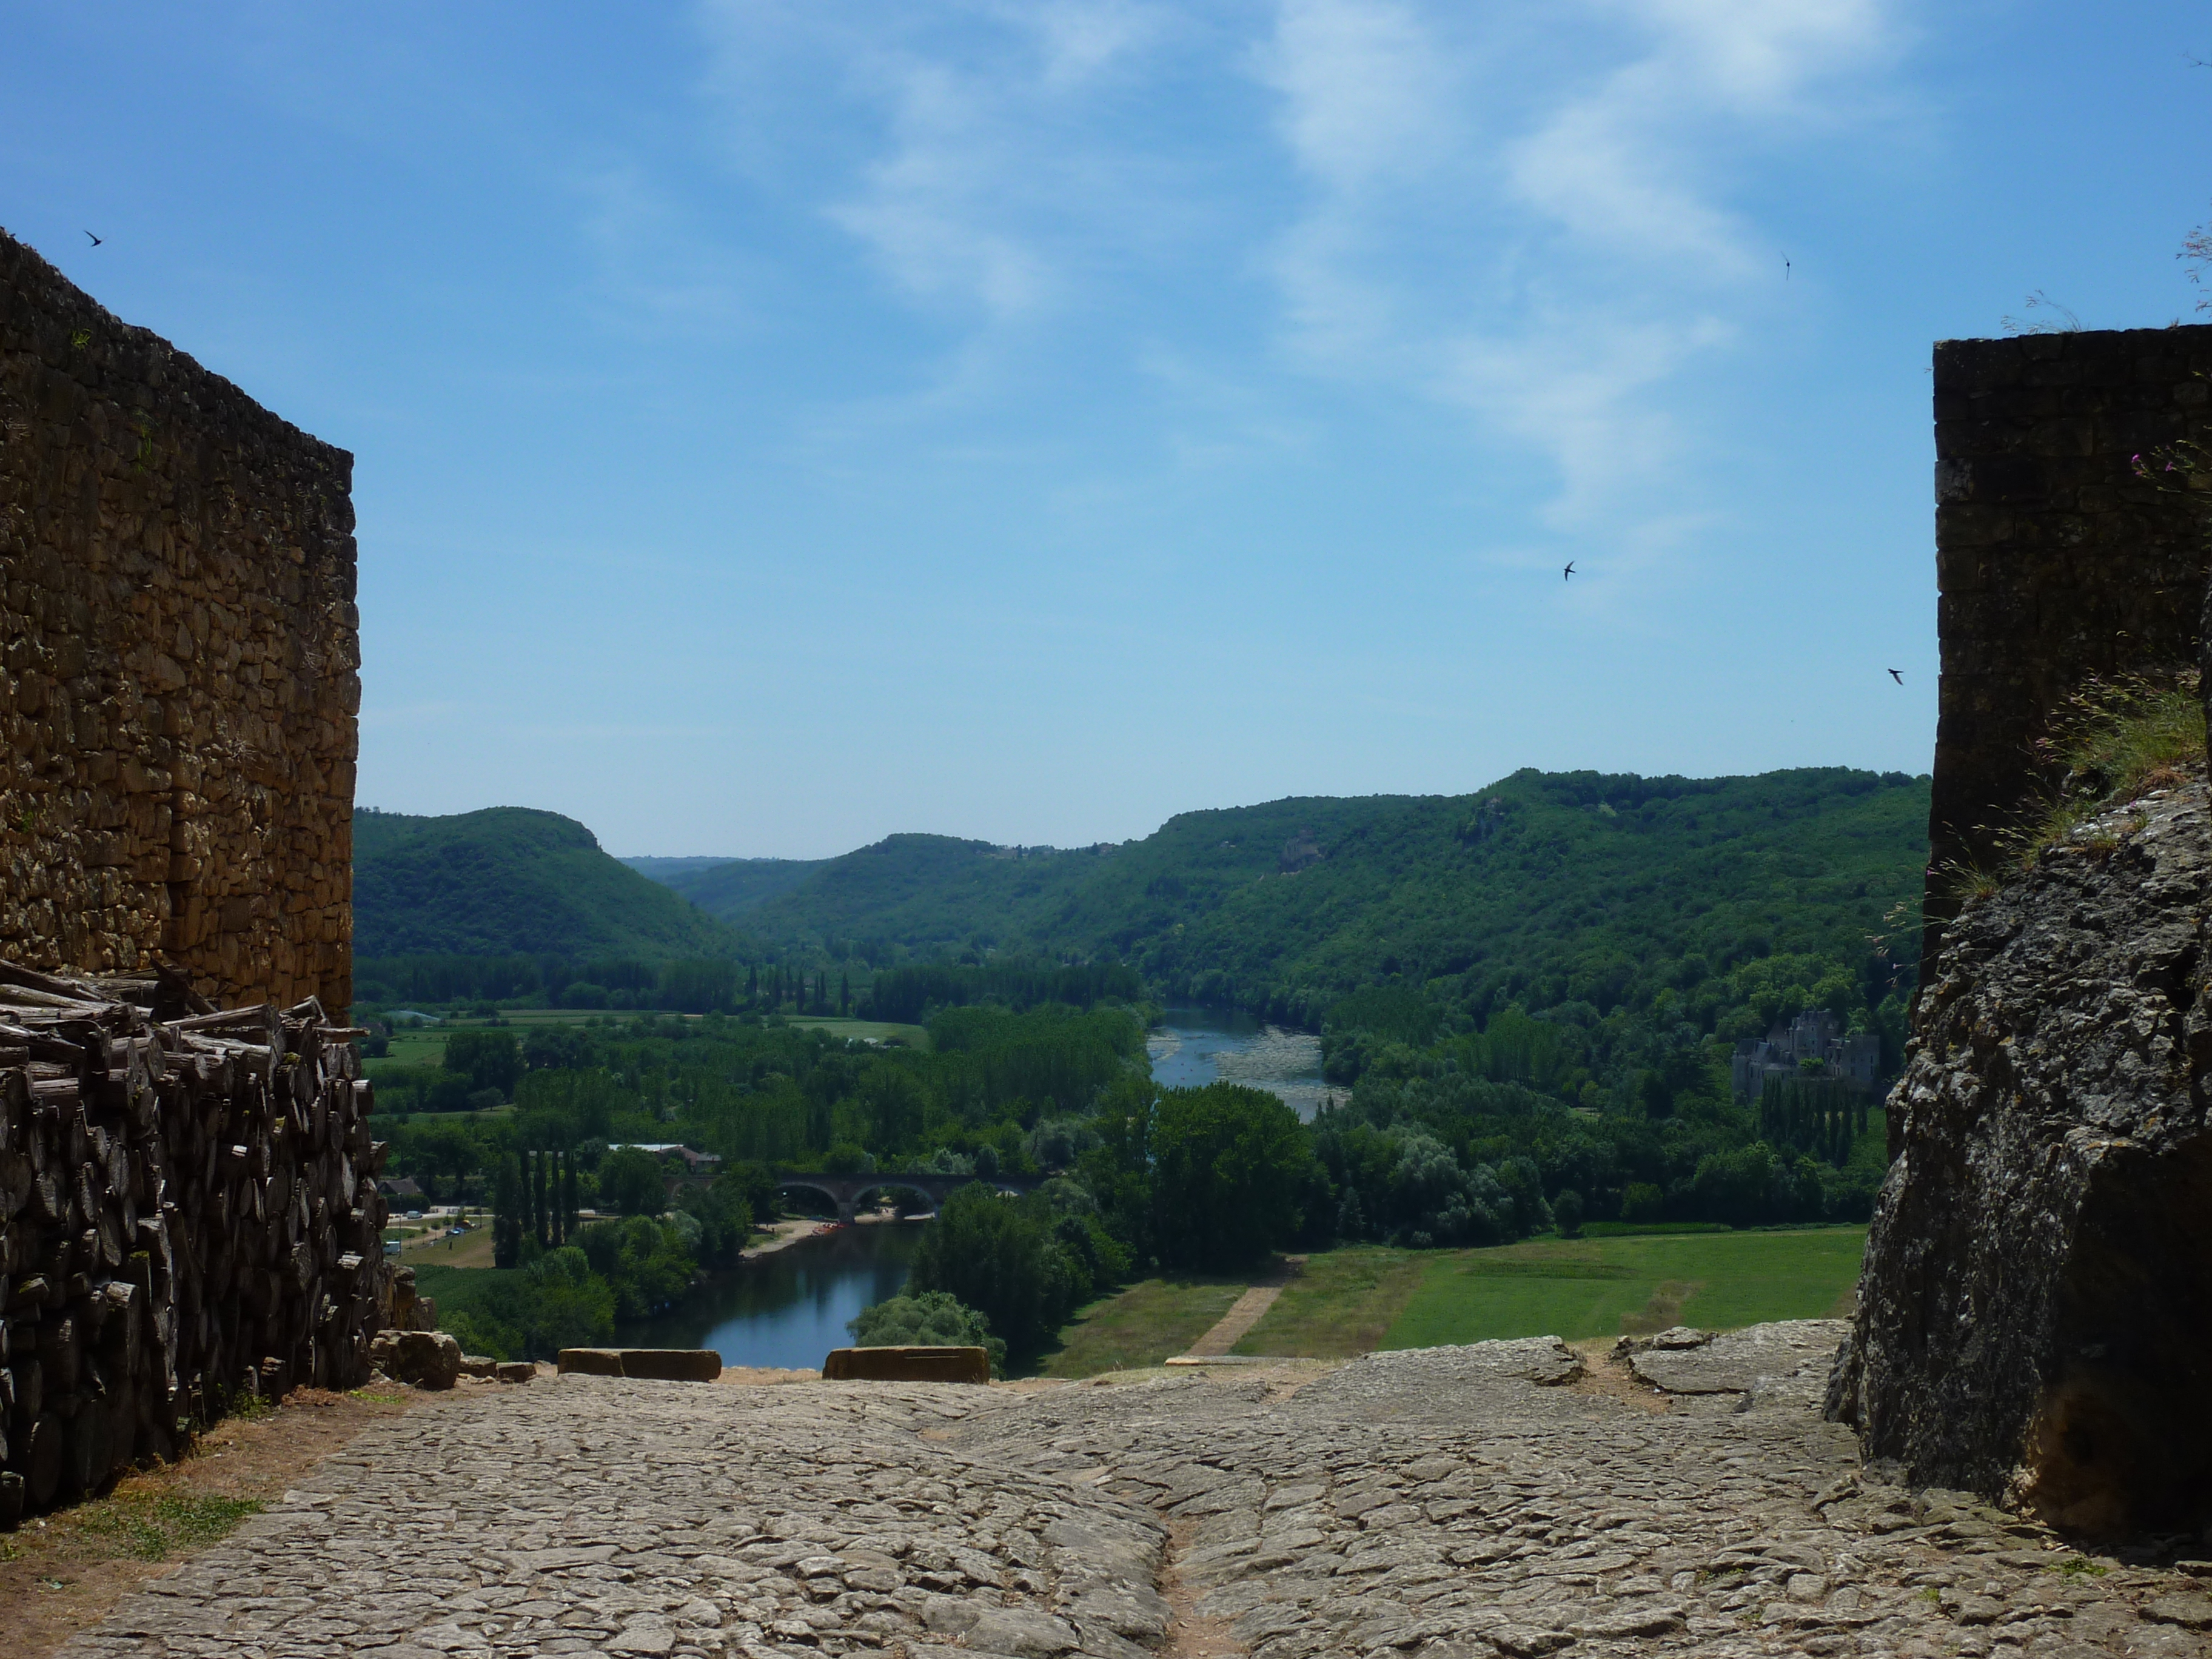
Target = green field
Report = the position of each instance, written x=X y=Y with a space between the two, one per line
x=866 y=1031
x=1146 y=1324
x=1616 y=1286
x=1367 y=1297
x=1339 y=1305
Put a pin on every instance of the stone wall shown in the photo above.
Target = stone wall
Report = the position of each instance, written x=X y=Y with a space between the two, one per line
x=179 y=685
x=2054 y=559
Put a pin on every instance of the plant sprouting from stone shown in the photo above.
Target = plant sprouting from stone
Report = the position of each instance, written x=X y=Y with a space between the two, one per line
x=2059 y=321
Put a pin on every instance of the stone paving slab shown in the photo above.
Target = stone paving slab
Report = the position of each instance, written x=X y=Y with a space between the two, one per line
x=1439 y=1504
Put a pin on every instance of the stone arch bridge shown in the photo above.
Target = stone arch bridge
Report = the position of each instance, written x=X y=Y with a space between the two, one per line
x=846 y=1191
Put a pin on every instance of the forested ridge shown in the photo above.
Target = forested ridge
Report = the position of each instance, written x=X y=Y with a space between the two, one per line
x=509 y=881
x=1545 y=889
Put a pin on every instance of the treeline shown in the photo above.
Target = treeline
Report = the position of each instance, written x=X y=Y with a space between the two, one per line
x=903 y=995
x=765 y=1092
x=1471 y=1137
x=906 y=993
x=627 y=984
x=561 y=1279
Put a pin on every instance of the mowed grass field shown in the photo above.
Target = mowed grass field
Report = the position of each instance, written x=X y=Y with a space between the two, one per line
x=1622 y=1286
x=1351 y=1301
x=1149 y=1322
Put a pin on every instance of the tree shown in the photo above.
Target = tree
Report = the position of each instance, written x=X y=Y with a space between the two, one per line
x=1567 y=1212
x=933 y=1320
x=895 y=1103
x=988 y=1253
x=644 y=1263
x=1230 y=1165
x=506 y=1216
x=630 y=1181
x=489 y=1060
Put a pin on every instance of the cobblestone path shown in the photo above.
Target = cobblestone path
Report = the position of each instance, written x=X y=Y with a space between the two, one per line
x=1441 y=1504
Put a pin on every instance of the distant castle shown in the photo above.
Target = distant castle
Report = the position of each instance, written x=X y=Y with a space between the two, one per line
x=1815 y=1035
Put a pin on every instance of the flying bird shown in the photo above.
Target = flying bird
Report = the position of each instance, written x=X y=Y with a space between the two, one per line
x=96 y=240
x=1898 y=677
x=1568 y=572
x=1785 y=267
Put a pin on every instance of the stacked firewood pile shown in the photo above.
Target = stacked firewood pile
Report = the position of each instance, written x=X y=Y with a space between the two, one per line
x=188 y=1213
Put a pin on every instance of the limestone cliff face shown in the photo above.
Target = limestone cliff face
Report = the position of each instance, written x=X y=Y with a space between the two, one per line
x=2036 y=1311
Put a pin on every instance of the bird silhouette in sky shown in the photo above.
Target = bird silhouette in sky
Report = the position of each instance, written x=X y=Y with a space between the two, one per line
x=1568 y=572
x=96 y=240
x=1898 y=677
x=1785 y=267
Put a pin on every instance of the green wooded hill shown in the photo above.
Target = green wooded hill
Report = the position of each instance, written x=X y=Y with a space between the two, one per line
x=509 y=881
x=729 y=888
x=1550 y=890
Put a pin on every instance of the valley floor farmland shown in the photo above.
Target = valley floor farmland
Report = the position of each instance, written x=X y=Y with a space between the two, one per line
x=1623 y=1286
x=1370 y=1297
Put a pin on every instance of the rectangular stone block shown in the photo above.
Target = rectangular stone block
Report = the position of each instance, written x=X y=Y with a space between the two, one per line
x=591 y=1362
x=913 y=1365
x=651 y=1364
x=672 y=1364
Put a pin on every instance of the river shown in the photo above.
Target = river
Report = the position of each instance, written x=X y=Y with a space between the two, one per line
x=1192 y=1047
x=789 y=1308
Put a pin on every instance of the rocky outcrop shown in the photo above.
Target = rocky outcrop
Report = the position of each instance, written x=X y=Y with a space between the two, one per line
x=2036 y=1310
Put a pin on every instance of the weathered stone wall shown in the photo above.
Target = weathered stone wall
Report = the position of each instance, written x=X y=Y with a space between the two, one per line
x=179 y=685
x=2054 y=559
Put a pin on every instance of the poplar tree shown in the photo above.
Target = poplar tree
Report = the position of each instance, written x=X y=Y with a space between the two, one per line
x=505 y=1219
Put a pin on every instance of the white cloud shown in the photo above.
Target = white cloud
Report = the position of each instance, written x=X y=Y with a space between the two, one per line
x=1527 y=214
x=989 y=183
x=1367 y=93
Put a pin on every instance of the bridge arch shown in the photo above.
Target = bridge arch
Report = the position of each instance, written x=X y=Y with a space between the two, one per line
x=846 y=1191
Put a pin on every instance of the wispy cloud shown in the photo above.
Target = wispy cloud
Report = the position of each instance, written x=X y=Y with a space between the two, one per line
x=1543 y=237
x=992 y=177
x=1530 y=213
x=658 y=272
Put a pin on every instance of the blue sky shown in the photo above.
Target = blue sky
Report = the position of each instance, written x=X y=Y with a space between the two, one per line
x=780 y=424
